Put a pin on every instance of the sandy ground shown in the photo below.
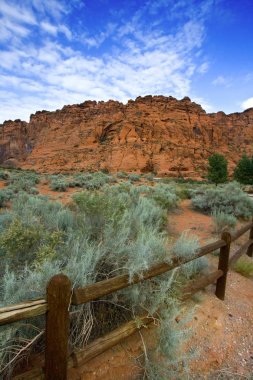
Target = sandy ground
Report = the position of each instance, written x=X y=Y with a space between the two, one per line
x=222 y=329
x=61 y=196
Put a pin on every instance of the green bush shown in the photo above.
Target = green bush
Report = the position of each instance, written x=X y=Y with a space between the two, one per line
x=5 y=196
x=122 y=175
x=183 y=192
x=90 y=181
x=217 y=168
x=244 y=267
x=223 y=220
x=229 y=199
x=164 y=195
x=58 y=184
x=4 y=175
x=134 y=177
x=22 y=181
x=243 y=172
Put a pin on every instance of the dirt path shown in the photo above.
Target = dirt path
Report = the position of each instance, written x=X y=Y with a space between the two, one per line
x=222 y=330
x=187 y=219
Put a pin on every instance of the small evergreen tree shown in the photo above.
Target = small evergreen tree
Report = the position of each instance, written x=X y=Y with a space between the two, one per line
x=217 y=169
x=244 y=170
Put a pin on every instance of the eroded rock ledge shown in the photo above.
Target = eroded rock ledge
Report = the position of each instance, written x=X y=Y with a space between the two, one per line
x=153 y=133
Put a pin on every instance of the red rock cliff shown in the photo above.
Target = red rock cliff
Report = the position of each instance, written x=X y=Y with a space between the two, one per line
x=153 y=133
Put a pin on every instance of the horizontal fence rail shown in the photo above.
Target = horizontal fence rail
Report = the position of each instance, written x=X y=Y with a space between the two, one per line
x=60 y=297
x=105 y=287
x=239 y=233
x=240 y=252
x=22 y=311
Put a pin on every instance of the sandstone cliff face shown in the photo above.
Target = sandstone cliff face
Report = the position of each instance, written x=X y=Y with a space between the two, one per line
x=159 y=134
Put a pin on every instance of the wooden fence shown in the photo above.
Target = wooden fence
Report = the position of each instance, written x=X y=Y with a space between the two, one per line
x=60 y=296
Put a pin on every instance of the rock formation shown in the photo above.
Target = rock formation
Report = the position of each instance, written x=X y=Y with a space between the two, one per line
x=153 y=133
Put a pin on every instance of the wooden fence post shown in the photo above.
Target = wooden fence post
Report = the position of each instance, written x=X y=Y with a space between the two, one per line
x=250 y=249
x=223 y=265
x=57 y=327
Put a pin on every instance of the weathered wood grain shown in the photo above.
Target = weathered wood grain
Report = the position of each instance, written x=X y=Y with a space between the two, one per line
x=23 y=305
x=14 y=315
x=223 y=265
x=100 y=345
x=57 y=327
x=250 y=249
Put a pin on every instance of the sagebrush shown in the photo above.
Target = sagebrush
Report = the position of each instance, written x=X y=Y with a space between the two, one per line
x=112 y=230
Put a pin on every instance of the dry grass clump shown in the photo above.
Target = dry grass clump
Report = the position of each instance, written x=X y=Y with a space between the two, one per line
x=244 y=266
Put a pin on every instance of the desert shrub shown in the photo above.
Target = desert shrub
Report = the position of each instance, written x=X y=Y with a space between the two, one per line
x=98 y=180
x=186 y=247
x=149 y=176
x=164 y=195
x=90 y=181
x=23 y=243
x=244 y=267
x=58 y=184
x=122 y=175
x=228 y=198
x=217 y=168
x=4 y=175
x=183 y=191
x=134 y=177
x=223 y=220
x=23 y=181
x=5 y=196
x=119 y=229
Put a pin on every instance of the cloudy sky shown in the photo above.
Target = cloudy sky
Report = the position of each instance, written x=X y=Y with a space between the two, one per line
x=56 y=52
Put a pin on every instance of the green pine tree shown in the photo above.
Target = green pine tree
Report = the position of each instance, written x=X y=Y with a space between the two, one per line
x=217 y=168
x=243 y=172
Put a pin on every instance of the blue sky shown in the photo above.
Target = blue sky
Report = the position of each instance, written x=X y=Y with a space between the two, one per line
x=57 y=52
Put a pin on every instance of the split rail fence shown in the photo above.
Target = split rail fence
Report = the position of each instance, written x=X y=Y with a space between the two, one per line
x=60 y=296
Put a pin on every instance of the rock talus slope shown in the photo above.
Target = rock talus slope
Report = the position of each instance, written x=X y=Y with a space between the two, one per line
x=153 y=133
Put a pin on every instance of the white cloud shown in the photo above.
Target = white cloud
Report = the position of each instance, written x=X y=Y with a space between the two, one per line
x=17 y=12
x=248 y=103
x=52 y=8
x=49 y=74
x=49 y=28
x=55 y=29
x=9 y=29
x=63 y=29
x=203 y=68
x=219 y=80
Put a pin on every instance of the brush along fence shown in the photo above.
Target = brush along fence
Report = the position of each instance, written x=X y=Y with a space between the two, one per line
x=60 y=296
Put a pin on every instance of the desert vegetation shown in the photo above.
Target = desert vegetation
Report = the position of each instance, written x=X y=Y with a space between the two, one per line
x=112 y=224
x=106 y=229
x=228 y=198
